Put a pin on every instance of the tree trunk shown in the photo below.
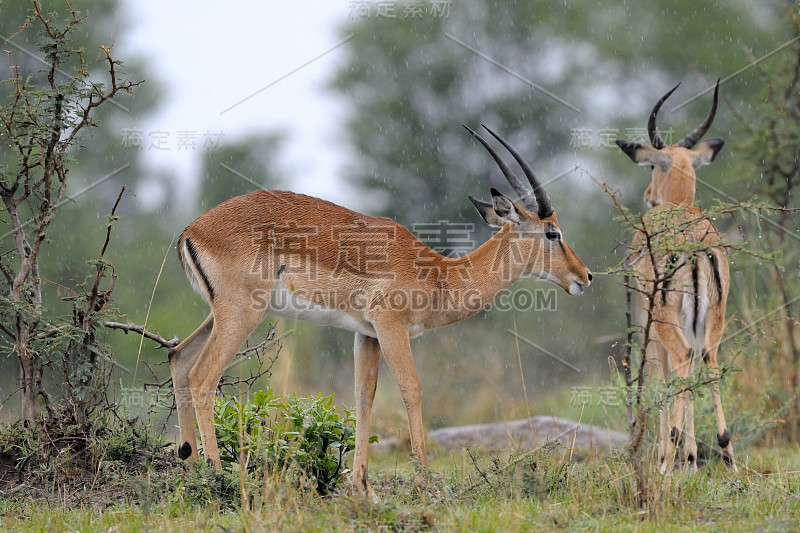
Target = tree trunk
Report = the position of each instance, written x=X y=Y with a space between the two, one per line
x=27 y=380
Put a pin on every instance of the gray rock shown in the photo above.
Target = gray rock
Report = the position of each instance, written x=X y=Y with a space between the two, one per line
x=523 y=435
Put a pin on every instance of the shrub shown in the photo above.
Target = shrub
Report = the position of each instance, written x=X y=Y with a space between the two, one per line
x=305 y=438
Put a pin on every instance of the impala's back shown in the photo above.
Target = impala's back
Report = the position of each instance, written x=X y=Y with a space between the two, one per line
x=295 y=256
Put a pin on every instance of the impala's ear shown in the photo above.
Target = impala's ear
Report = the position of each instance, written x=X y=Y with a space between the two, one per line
x=487 y=212
x=498 y=212
x=504 y=207
x=706 y=151
x=645 y=155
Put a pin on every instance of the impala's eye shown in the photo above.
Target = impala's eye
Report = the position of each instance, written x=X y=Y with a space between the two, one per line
x=551 y=235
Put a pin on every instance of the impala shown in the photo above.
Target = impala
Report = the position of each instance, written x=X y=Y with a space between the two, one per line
x=300 y=257
x=690 y=286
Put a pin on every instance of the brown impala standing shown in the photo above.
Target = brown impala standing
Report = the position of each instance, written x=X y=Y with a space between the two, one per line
x=692 y=288
x=303 y=258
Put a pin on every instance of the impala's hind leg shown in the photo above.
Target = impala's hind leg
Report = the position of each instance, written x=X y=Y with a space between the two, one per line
x=681 y=357
x=181 y=360
x=689 y=439
x=234 y=320
x=660 y=358
x=367 y=353
x=723 y=435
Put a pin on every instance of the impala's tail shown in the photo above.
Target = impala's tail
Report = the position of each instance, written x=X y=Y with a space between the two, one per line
x=702 y=290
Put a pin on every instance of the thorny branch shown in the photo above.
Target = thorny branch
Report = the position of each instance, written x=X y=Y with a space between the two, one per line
x=141 y=330
x=265 y=354
x=40 y=123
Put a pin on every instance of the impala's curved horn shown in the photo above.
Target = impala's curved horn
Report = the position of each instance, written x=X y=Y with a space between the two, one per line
x=690 y=140
x=652 y=131
x=525 y=196
x=545 y=207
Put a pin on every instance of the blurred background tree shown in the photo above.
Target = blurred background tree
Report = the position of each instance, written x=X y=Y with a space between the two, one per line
x=768 y=293
x=240 y=168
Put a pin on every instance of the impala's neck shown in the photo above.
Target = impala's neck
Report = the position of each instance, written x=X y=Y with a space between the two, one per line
x=467 y=284
x=680 y=185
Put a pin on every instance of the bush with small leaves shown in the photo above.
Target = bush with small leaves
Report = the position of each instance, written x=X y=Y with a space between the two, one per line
x=305 y=438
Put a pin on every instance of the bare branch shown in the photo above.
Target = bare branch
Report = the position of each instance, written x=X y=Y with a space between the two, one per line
x=130 y=326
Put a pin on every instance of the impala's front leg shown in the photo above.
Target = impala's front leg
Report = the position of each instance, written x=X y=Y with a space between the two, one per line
x=396 y=349
x=367 y=354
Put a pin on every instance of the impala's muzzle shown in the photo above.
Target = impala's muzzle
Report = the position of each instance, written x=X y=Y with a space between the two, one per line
x=576 y=287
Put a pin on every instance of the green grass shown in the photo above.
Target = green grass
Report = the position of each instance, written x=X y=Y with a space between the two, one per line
x=541 y=491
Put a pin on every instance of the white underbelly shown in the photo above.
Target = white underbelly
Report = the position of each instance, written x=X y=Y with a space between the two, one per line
x=292 y=306
x=415 y=330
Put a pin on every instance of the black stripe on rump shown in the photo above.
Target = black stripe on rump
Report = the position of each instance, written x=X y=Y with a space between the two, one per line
x=696 y=288
x=672 y=260
x=178 y=249
x=196 y=263
x=712 y=256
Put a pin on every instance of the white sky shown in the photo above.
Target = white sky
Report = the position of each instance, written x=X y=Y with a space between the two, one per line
x=210 y=55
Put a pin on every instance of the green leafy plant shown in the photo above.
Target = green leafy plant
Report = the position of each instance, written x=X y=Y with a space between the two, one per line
x=306 y=437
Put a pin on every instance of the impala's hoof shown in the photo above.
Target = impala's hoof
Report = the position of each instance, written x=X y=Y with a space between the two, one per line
x=724 y=439
x=185 y=451
x=675 y=435
x=727 y=458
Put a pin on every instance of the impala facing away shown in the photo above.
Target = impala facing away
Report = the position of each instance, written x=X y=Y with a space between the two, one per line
x=303 y=258
x=691 y=288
